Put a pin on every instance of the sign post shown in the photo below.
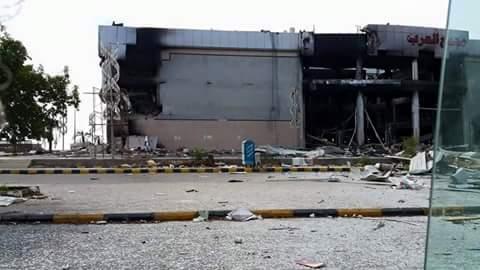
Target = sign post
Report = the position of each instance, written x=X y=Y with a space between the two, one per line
x=248 y=153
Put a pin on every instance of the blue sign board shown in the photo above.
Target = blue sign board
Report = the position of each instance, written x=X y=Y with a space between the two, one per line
x=248 y=153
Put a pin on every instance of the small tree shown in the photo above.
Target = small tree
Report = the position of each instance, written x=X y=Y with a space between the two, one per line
x=33 y=100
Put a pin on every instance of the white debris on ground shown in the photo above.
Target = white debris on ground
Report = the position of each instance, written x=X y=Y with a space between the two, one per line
x=371 y=173
x=241 y=214
x=7 y=201
x=281 y=151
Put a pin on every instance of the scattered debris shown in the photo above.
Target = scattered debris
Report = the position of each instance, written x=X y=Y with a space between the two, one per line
x=241 y=214
x=71 y=191
x=191 y=190
x=371 y=173
x=280 y=151
x=161 y=194
x=125 y=166
x=222 y=202
x=238 y=240
x=460 y=176
x=312 y=215
x=7 y=201
x=19 y=191
x=93 y=178
x=421 y=163
x=461 y=219
x=409 y=183
x=384 y=167
x=39 y=197
x=300 y=161
x=311 y=264
x=284 y=229
x=199 y=219
x=401 y=201
x=380 y=225
x=151 y=163
x=84 y=232
x=101 y=222
x=389 y=219
x=322 y=201
x=235 y=181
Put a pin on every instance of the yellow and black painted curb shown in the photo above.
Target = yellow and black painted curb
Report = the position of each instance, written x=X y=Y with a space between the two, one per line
x=166 y=170
x=86 y=218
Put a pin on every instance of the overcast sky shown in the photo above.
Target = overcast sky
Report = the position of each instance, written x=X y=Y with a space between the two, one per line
x=64 y=32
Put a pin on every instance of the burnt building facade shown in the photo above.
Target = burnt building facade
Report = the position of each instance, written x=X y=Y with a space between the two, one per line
x=213 y=89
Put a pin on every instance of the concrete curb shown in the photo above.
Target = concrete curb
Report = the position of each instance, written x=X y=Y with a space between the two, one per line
x=86 y=218
x=162 y=170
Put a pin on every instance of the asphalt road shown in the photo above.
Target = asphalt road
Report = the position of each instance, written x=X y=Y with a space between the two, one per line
x=144 y=193
x=266 y=244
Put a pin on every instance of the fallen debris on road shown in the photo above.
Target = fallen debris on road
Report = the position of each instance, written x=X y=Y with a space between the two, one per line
x=380 y=225
x=7 y=201
x=371 y=173
x=311 y=264
x=235 y=181
x=241 y=214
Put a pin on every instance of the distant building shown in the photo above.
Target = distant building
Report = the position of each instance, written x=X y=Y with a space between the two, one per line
x=213 y=89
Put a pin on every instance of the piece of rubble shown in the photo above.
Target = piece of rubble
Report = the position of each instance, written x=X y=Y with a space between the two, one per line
x=101 y=222
x=380 y=225
x=384 y=167
x=191 y=190
x=460 y=176
x=408 y=183
x=311 y=264
x=238 y=241
x=151 y=163
x=199 y=219
x=7 y=201
x=241 y=214
x=125 y=166
x=419 y=164
x=371 y=173
x=39 y=197
x=235 y=181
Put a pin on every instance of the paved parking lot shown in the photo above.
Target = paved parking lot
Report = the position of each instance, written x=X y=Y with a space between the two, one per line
x=340 y=243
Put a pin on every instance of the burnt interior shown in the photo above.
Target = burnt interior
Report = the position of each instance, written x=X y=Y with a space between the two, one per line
x=331 y=85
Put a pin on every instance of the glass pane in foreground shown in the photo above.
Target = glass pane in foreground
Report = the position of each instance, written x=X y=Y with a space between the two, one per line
x=454 y=223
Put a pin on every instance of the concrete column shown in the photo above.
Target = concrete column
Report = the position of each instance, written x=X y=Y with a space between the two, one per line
x=467 y=131
x=415 y=103
x=360 y=119
x=416 y=115
x=360 y=108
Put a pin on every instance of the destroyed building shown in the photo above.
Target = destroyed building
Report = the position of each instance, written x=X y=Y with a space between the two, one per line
x=213 y=89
